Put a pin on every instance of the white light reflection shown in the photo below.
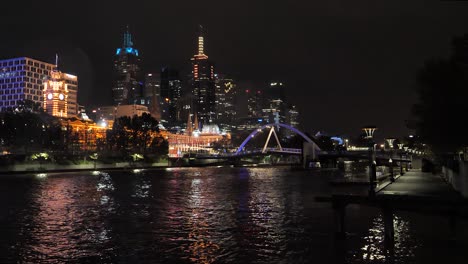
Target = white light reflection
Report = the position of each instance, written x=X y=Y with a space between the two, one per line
x=41 y=175
x=374 y=245
x=105 y=182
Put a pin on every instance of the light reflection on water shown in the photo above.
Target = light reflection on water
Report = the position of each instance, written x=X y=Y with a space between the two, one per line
x=184 y=215
x=374 y=250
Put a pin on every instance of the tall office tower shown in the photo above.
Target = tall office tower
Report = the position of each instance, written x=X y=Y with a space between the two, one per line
x=254 y=103
x=185 y=107
x=127 y=88
x=72 y=86
x=152 y=94
x=171 y=91
x=23 y=79
x=152 y=85
x=226 y=98
x=274 y=109
x=292 y=118
x=203 y=83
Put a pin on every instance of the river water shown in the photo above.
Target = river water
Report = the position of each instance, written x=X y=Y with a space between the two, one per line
x=202 y=215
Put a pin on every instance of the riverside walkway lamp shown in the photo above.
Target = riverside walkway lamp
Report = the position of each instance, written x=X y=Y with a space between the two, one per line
x=400 y=147
x=410 y=151
x=406 y=156
x=369 y=130
x=390 y=160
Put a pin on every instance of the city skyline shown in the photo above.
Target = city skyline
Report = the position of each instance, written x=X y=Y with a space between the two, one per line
x=234 y=131
x=386 y=46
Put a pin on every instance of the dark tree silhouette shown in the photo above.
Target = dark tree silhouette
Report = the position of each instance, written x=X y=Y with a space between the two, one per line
x=442 y=107
x=134 y=134
x=26 y=131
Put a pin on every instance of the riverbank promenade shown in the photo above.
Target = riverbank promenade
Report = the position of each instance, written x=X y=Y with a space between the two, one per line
x=416 y=184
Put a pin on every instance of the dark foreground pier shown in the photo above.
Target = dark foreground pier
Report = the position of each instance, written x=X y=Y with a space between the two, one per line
x=414 y=191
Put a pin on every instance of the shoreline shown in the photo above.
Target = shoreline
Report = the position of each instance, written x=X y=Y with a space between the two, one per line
x=135 y=167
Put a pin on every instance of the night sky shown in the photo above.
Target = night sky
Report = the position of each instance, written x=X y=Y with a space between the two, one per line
x=346 y=63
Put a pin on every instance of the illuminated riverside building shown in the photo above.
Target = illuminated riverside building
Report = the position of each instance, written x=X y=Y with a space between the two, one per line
x=110 y=113
x=56 y=95
x=84 y=135
x=203 y=83
x=127 y=88
x=23 y=79
x=194 y=140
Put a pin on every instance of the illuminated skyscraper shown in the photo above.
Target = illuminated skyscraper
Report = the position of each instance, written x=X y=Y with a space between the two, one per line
x=226 y=98
x=203 y=83
x=127 y=88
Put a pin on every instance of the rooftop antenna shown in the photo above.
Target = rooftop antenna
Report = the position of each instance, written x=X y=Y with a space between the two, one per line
x=56 y=60
x=127 y=38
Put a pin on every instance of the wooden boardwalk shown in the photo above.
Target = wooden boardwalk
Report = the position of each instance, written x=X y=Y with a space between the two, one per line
x=421 y=184
x=414 y=191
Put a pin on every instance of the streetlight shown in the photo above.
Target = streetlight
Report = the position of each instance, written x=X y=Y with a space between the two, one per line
x=369 y=130
x=94 y=157
x=390 y=144
x=410 y=151
x=406 y=156
x=400 y=146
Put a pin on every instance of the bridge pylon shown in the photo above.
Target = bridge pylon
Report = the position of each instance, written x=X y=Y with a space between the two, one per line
x=272 y=131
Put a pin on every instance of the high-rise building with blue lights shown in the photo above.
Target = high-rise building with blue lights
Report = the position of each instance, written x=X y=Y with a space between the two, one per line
x=203 y=83
x=23 y=79
x=127 y=87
